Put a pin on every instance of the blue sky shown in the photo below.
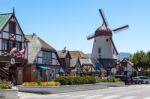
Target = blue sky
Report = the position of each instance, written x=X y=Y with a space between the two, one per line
x=68 y=22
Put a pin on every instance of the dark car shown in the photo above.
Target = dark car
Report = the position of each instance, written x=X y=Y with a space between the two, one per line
x=137 y=80
x=126 y=79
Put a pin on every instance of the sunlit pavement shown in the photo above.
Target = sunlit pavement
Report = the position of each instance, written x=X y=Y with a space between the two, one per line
x=129 y=92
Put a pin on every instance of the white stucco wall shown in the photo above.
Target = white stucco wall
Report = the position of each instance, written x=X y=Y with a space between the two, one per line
x=106 y=48
x=34 y=48
x=5 y=35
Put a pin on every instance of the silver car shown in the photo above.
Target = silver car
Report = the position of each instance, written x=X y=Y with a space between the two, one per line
x=144 y=79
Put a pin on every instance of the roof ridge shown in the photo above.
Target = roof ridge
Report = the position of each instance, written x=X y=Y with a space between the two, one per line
x=5 y=13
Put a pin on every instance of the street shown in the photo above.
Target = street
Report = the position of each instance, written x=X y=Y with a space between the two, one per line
x=129 y=92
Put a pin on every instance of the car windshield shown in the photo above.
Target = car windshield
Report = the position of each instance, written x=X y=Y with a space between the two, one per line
x=135 y=78
x=144 y=77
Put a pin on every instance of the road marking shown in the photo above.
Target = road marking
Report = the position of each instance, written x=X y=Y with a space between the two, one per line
x=146 y=98
x=94 y=97
x=56 y=96
x=77 y=96
x=110 y=97
x=129 y=97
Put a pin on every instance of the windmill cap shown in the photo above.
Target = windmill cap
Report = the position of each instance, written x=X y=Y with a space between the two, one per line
x=103 y=31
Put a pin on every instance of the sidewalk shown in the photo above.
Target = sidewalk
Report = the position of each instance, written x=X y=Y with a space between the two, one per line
x=23 y=95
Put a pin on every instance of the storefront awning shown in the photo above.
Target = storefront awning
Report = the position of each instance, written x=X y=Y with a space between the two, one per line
x=61 y=70
x=44 y=67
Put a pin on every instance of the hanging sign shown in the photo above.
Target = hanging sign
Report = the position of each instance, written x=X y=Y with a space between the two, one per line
x=12 y=61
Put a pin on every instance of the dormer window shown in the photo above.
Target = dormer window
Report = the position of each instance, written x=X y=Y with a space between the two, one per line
x=12 y=27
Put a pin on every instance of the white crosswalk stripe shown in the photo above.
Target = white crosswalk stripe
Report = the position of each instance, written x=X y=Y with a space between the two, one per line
x=77 y=96
x=129 y=97
x=93 y=97
x=89 y=96
x=146 y=98
x=110 y=97
x=56 y=96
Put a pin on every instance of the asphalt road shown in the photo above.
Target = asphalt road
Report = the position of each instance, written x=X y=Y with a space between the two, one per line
x=129 y=92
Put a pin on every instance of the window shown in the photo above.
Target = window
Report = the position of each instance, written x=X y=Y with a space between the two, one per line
x=99 y=50
x=47 y=57
x=11 y=44
x=12 y=27
x=4 y=44
x=18 y=46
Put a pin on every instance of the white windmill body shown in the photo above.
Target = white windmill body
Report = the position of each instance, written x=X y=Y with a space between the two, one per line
x=103 y=46
x=104 y=50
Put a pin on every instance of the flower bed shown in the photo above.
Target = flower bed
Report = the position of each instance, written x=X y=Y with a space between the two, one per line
x=5 y=85
x=7 y=91
x=42 y=84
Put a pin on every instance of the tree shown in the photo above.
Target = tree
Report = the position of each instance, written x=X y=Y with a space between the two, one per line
x=140 y=60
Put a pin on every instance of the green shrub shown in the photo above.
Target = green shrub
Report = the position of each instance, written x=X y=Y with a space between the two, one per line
x=41 y=84
x=75 y=80
x=5 y=85
x=111 y=79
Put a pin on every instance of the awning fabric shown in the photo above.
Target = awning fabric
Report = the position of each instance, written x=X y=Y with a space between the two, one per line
x=44 y=67
x=61 y=70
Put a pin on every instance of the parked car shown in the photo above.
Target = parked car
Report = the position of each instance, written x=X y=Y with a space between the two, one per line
x=137 y=80
x=126 y=79
x=143 y=79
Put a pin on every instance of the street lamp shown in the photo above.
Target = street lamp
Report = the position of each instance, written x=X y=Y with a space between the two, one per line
x=139 y=70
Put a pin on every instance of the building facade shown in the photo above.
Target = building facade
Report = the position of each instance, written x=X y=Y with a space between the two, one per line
x=65 y=58
x=13 y=46
x=44 y=63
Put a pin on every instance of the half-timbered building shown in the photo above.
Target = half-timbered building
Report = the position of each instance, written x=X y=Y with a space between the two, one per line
x=124 y=67
x=44 y=63
x=65 y=58
x=13 y=45
x=81 y=64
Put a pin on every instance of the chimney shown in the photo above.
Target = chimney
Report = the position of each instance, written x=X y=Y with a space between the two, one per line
x=64 y=50
x=34 y=34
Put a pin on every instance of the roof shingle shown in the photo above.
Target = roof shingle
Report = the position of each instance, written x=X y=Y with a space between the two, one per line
x=4 y=18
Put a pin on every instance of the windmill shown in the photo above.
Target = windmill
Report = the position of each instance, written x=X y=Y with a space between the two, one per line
x=104 y=49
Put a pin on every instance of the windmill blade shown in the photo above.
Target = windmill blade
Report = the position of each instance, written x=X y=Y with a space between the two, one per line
x=90 y=36
x=103 y=17
x=121 y=28
x=114 y=45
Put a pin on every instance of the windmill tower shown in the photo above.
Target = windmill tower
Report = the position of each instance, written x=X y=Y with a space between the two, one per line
x=104 y=49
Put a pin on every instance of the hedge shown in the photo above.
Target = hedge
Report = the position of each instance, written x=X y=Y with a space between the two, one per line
x=75 y=80
x=41 y=84
x=5 y=85
x=111 y=79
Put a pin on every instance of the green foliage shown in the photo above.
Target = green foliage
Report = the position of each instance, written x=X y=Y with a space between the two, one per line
x=5 y=85
x=43 y=84
x=141 y=60
x=111 y=79
x=75 y=80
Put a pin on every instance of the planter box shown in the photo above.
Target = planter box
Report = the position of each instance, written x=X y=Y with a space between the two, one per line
x=68 y=88
x=8 y=93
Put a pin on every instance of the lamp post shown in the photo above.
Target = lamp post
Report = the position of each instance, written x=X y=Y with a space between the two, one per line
x=148 y=72
x=139 y=70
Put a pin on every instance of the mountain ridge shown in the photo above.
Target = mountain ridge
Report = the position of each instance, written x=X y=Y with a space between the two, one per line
x=120 y=56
